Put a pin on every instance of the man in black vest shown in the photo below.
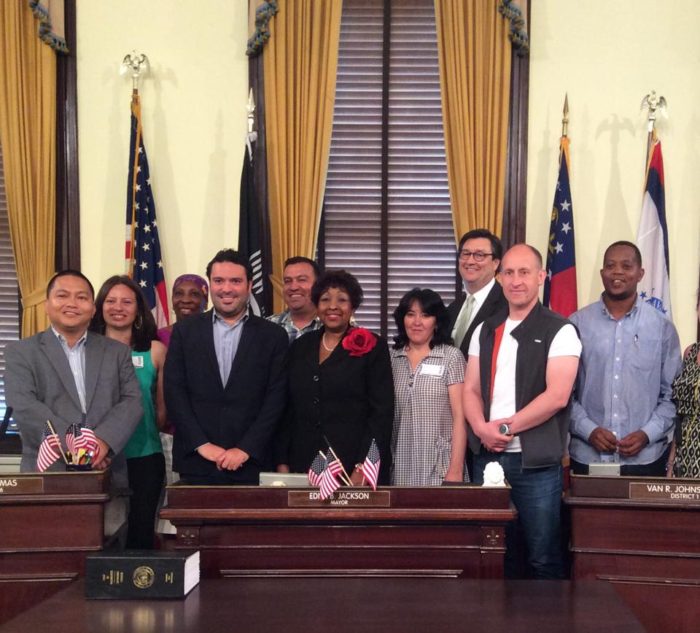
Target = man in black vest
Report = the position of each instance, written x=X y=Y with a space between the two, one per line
x=517 y=400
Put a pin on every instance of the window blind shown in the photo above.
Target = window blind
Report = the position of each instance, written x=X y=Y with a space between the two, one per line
x=9 y=296
x=418 y=243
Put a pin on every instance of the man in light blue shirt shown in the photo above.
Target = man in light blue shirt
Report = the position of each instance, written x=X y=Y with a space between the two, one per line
x=622 y=409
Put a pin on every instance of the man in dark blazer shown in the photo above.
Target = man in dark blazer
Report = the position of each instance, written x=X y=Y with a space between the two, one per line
x=66 y=374
x=479 y=256
x=225 y=384
x=478 y=259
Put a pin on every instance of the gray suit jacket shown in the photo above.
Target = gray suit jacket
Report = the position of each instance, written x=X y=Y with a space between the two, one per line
x=39 y=385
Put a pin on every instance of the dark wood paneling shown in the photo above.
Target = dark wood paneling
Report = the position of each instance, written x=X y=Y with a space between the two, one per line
x=424 y=531
x=67 y=181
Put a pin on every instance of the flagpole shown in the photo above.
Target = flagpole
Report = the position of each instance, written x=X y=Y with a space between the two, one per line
x=136 y=64
x=565 y=117
x=652 y=102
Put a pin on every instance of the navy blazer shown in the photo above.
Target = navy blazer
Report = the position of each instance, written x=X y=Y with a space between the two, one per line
x=346 y=401
x=495 y=303
x=243 y=413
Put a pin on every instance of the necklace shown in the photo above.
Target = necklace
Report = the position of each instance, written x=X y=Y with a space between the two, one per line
x=323 y=342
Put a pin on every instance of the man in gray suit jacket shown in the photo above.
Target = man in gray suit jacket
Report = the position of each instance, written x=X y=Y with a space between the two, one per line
x=67 y=375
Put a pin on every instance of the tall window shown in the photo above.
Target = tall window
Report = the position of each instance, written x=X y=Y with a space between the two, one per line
x=387 y=216
x=9 y=296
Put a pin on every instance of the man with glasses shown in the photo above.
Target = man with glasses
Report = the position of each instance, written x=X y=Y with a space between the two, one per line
x=479 y=257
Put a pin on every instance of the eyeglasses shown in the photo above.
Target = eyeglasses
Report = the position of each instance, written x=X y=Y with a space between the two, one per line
x=478 y=256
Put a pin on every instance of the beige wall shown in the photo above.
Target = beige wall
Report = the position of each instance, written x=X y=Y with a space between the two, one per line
x=194 y=120
x=608 y=54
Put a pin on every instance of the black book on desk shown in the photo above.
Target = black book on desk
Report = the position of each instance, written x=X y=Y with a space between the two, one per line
x=135 y=574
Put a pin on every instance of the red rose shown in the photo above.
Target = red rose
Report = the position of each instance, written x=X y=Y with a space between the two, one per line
x=359 y=341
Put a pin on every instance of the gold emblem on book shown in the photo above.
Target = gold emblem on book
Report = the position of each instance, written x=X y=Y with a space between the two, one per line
x=143 y=577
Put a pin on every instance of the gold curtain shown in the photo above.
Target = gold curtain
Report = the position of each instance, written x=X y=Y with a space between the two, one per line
x=300 y=62
x=475 y=58
x=28 y=137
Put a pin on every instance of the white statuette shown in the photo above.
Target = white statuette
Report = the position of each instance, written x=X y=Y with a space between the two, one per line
x=494 y=475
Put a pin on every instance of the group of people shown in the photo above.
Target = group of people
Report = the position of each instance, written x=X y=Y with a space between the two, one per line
x=235 y=394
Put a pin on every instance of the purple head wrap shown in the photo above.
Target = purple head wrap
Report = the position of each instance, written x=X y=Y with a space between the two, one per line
x=198 y=281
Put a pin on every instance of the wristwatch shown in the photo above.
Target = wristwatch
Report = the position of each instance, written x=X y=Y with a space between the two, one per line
x=504 y=429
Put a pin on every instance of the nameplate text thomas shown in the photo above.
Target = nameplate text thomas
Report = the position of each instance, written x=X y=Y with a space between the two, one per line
x=359 y=498
x=21 y=485
x=678 y=492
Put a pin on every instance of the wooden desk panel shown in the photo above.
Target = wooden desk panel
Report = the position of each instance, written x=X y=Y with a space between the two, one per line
x=247 y=531
x=46 y=535
x=649 y=549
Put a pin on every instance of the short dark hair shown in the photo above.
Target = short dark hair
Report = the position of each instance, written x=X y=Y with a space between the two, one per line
x=632 y=245
x=298 y=259
x=496 y=246
x=233 y=257
x=341 y=279
x=68 y=272
x=432 y=304
x=143 y=329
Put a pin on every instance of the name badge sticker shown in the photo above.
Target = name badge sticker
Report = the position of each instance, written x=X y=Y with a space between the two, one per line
x=137 y=361
x=432 y=370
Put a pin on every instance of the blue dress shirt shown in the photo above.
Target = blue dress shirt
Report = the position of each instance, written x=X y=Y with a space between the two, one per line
x=624 y=380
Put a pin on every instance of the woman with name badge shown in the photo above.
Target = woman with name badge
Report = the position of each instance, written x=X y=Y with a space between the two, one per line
x=121 y=313
x=340 y=388
x=684 y=460
x=430 y=434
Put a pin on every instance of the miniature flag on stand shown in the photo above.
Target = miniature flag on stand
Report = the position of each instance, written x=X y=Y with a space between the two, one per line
x=330 y=481
x=652 y=236
x=560 y=292
x=79 y=436
x=49 y=451
x=316 y=470
x=370 y=467
x=143 y=260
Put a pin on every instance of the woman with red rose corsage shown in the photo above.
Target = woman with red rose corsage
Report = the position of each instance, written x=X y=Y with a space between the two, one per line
x=341 y=392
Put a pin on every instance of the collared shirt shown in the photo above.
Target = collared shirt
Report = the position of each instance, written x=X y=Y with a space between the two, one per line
x=624 y=380
x=479 y=298
x=76 y=360
x=226 y=340
x=285 y=320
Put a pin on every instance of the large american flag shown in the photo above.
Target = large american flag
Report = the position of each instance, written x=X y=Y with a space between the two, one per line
x=560 y=291
x=143 y=260
x=370 y=467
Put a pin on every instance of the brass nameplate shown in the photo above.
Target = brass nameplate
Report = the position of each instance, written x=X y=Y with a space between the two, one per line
x=21 y=485
x=340 y=499
x=678 y=492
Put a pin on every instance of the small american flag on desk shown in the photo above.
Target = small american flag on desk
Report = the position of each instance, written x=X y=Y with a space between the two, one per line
x=49 y=450
x=370 y=467
x=316 y=470
x=329 y=477
x=79 y=436
x=143 y=260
